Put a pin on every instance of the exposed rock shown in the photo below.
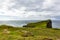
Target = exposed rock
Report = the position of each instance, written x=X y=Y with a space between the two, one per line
x=47 y=39
x=27 y=34
x=5 y=31
x=49 y=24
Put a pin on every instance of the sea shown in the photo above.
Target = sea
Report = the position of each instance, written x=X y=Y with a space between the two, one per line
x=20 y=23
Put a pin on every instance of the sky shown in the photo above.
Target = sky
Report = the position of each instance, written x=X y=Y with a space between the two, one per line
x=29 y=9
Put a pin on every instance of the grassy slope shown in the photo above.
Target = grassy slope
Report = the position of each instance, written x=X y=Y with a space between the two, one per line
x=41 y=24
x=38 y=32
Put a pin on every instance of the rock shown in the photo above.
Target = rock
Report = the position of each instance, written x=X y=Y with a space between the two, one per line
x=49 y=24
x=27 y=34
x=58 y=39
x=47 y=39
x=5 y=31
x=24 y=26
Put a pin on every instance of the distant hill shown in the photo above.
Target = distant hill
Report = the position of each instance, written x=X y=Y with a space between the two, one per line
x=42 y=24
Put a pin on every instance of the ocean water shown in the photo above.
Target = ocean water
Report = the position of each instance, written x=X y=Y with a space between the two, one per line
x=56 y=23
x=20 y=23
x=17 y=23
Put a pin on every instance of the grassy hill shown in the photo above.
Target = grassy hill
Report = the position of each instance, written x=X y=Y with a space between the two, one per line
x=41 y=24
x=29 y=33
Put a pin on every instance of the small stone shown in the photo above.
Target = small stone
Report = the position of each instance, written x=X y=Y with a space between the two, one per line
x=47 y=39
x=27 y=33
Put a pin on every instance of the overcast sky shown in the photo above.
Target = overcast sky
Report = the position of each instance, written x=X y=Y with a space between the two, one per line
x=29 y=9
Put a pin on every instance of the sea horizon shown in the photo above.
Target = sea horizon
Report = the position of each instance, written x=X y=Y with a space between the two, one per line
x=20 y=23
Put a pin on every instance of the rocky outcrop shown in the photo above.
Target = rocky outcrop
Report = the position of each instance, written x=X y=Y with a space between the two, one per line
x=49 y=24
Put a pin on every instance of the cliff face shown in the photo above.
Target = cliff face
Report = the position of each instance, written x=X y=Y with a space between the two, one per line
x=49 y=24
x=42 y=24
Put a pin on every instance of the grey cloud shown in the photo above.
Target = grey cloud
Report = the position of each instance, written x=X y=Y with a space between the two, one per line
x=57 y=17
x=31 y=5
x=54 y=8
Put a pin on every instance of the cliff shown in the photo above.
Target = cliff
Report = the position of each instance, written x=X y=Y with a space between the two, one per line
x=42 y=24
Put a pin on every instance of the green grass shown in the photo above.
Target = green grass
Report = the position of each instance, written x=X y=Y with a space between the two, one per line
x=39 y=31
x=41 y=24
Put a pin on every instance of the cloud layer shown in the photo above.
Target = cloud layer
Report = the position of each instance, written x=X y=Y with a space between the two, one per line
x=29 y=9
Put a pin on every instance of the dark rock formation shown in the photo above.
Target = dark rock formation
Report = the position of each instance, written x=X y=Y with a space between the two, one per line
x=47 y=39
x=49 y=24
